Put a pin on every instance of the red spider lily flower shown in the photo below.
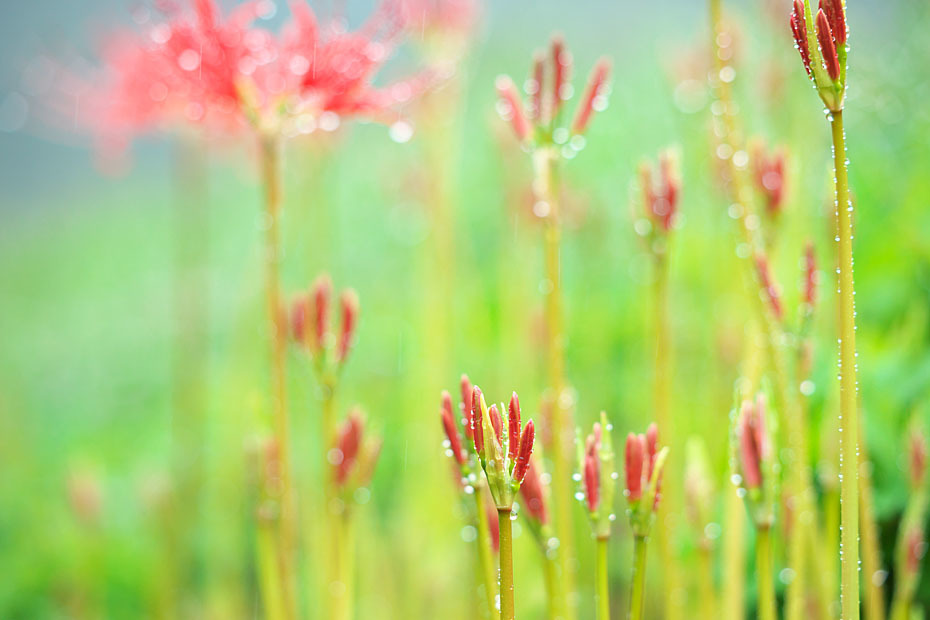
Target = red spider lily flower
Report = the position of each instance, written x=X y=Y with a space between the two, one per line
x=769 y=175
x=349 y=302
x=598 y=478
x=772 y=294
x=452 y=431
x=754 y=443
x=644 y=463
x=661 y=192
x=320 y=292
x=533 y=495
x=504 y=472
x=541 y=124
x=513 y=427
x=809 y=294
x=821 y=41
x=467 y=413
x=917 y=457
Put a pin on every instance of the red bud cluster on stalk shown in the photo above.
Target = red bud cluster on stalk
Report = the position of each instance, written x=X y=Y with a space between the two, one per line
x=754 y=460
x=644 y=463
x=661 y=189
x=539 y=123
x=353 y=457
x=504 y=457
x=769 y=172
x=917 y=458
x=311 y=327
x=911 y=545
x=809 y=292
x=821 y=41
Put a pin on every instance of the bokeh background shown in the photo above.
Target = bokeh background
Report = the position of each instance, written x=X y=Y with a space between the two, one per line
x=98 y=355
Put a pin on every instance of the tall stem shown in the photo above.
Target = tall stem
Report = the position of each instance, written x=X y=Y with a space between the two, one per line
x=546 y=188
x=603 y=596
x=734 y=572
x=485 y=562
x=849 y=417
x=874 y=593
x=764 y=580
x=638 y=588
x=705 y=578
x=506 y=535
x=554 y=601
x=278 y=325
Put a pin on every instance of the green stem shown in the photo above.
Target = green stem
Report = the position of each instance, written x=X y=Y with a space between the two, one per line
x=485 y=562
x=874 y=593
x=849 y=417
x=705 y=577
x=271 y=174
x=506 y=536
x=764 y=581
x=269 y=571
x=734 y=572
x=603 y=595
x=638 y=591
x=546 y=188
x=556 y=607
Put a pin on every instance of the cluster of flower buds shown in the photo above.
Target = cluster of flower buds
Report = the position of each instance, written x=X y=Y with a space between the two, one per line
x=644 y=463
x=768 y=287
x=823 y=47
x=504 y=457
x=769 y=171
x=353 y=457
x=661 y=187
x=310 y=324
x=539 y=122
x=754 y=462
x=597 y=469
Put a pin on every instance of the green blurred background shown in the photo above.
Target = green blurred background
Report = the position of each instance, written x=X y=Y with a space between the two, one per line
x=92 y=366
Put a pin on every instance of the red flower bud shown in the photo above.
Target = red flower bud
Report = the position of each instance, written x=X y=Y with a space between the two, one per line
x=769 y=173
x=526 y=451
x=347 y=443
x=497 y=423
x=592 y=480
x=634 y=467
x=596 y=84
x=837 y=18
x=810 y=275
x=561 y=63
x=799 y=30
x=320 y=292
x=514 y=427
x=652 y=447
x=753 y=442
x=452 y=432
x=916 y=549
x=300 y=314
x=476 y=422
x=661 y=202
x=465 y=386
x=349 y=301
x=827 y=46
x=533 y=496
x=771 y=291
x=494 y=526
x=512 y=107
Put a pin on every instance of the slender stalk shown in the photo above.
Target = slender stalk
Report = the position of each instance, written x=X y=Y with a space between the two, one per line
x=764 y=580
x=734 y=574
x=554 y=603
x=485 y=561
x=849 y=417
x=603 y=594
x=269 y=571
x=874 y=591
x=546 y=188
x=506 y=535
x=638 y=587
x=669 y=506
x=339 y=584
x=708 y=596
x=271 y=175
